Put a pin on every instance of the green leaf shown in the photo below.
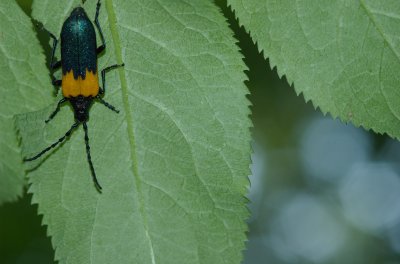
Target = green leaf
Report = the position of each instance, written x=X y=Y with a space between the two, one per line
x=24 y=86
x=342 y=55
x=173 y=163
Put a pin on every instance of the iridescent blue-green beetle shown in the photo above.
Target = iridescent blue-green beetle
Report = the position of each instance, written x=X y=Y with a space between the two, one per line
x=80 y=83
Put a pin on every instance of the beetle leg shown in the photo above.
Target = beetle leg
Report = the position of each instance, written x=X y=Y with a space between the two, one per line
x=103 y=75
x=57 y=64
x=57 y=109
x=96 y=182
x=61 y=139
x=109 y=106
x=56 y=82
x=54 y=65
x=96 y=22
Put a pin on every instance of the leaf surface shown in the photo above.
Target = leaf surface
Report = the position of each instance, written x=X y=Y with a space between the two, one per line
x=23 y=84
x=173 y=163
x=344 y=56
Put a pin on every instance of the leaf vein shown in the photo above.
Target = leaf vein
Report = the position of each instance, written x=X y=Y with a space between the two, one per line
x=129 y=119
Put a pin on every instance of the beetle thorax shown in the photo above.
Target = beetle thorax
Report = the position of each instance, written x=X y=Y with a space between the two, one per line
x=81 y=107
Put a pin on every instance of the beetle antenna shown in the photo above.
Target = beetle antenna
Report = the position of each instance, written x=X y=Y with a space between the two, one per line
x=96 y=182
x=61 y=139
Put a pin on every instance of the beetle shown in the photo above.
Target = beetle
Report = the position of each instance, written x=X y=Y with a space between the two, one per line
x=80 y=82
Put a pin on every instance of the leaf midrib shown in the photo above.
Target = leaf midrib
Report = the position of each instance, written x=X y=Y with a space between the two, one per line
x=129 y=119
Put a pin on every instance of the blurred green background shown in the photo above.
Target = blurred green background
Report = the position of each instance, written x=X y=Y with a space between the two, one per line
x=321 y=191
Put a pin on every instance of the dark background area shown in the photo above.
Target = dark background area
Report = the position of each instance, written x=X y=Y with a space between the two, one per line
x=321 y=191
